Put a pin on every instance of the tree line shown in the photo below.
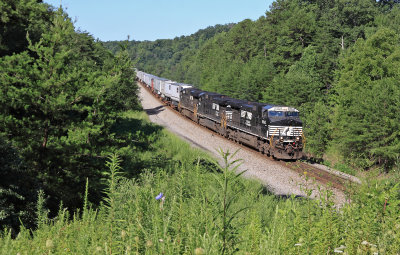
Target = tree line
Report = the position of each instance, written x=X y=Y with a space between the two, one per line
x=336 y=60
x=165 y=56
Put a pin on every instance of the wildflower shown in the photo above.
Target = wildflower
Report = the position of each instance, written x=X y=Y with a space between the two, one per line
x=341 y=248
x=123 y=234
x=374 y=250
x=305 y=173
x=162 y=198
x=149 y=243
x=160 y=240
x=364 y=243
x=159 y=196
x=49 y=244
x=199 y=251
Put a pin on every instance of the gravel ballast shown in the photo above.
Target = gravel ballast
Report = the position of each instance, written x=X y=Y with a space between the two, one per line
x=276 y=178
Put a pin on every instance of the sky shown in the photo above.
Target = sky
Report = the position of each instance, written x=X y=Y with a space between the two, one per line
x=156 y=19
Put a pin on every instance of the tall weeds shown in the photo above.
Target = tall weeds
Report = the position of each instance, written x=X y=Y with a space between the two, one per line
x=206 y=212
x=227 y=196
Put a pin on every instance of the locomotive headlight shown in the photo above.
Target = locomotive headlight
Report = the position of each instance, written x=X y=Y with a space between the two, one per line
x=298 y=138
x=281 y=138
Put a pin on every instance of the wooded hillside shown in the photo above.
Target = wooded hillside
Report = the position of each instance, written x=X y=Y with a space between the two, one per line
x=164 y=56
x=333 y=59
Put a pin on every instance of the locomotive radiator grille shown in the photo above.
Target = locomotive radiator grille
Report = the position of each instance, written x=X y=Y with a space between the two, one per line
x=284 y=131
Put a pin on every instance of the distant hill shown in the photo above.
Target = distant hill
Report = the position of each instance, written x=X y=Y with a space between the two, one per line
x=164 y=56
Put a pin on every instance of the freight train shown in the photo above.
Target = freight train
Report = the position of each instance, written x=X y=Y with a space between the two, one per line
x=274 y=130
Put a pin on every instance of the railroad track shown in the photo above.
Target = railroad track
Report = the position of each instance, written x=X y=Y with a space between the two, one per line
x=304 y=169
x=323 y=177
x=319 y=175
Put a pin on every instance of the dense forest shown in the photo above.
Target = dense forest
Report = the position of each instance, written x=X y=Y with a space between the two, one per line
x=336 y=60
x=61 y=96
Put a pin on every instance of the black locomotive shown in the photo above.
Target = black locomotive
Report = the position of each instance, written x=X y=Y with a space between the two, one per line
x=271 y=129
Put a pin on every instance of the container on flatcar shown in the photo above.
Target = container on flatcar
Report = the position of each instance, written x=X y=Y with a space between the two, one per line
x=173 y=90
x=163 y=83
x=158 y=85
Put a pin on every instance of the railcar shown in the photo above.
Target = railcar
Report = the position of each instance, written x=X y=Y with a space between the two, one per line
x=274 y=130
x=172 y=91
x=148 y=80
x=158 y=84
x=163 y=83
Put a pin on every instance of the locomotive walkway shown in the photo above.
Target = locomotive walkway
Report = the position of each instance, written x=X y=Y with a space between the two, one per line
x=275 y=176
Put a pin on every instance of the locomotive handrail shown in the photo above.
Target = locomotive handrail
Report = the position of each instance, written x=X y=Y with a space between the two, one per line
x=304 y=139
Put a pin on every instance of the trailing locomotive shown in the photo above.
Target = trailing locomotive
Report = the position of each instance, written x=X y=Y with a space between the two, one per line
x=271 y=129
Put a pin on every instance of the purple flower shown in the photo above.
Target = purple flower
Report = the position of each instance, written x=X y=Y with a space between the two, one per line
x=159 y=196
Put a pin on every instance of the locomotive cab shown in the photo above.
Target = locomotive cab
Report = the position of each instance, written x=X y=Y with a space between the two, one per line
x=284 y=128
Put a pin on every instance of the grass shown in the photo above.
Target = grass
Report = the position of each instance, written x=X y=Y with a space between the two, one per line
x=194 y=217
x=345 y=169
x=333 y=159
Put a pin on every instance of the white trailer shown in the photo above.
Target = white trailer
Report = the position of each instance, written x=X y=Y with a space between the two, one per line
x=173 y=89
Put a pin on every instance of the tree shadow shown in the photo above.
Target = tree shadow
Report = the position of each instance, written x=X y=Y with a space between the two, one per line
x=207 y=165
x=139 y=132
x=155 y=110
x=267 y=192
x=142 y=136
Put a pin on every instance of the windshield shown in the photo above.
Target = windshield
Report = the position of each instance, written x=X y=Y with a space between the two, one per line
x=282 y=114
x=276 y=114
x=292 y=114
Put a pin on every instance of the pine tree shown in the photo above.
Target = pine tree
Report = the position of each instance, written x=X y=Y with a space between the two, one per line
x=60 y=102
x=367 y=120
x=16 y=188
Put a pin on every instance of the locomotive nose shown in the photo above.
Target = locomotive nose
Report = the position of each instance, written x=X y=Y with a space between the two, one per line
x=294 y=122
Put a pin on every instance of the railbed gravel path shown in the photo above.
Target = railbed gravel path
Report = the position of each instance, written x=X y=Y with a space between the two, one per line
x=276 y=178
